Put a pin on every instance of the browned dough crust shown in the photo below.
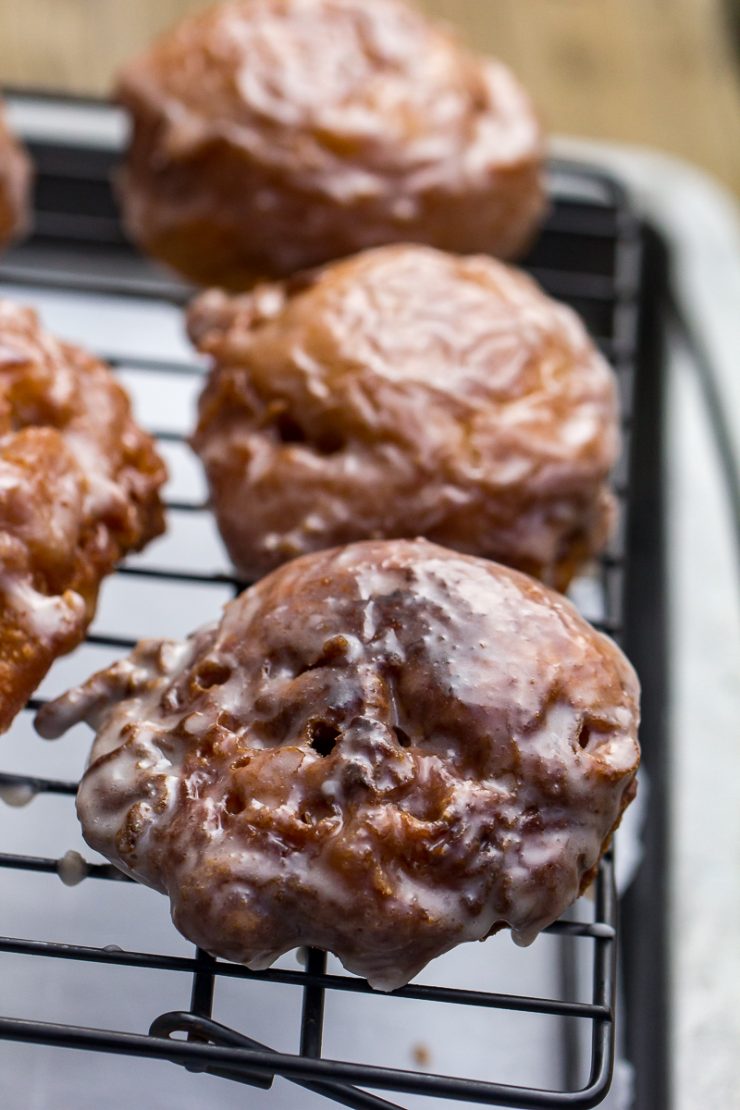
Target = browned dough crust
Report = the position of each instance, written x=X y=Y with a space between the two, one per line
x=79 y=486
x=406 y=392
x=273 y=135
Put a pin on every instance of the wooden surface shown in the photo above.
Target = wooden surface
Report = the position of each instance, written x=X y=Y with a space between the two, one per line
x=659 y=72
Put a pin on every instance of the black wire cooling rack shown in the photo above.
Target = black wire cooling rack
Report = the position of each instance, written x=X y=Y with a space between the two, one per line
x=590 y=254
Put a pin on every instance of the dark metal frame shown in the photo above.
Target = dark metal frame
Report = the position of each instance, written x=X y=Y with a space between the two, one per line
x=591 y=253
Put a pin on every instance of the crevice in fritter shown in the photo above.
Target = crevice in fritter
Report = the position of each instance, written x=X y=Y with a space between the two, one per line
x=584 y=736
x=402 y=736
x=212 y=673
x=288 y=429
x=325 y=441
x=322 y=736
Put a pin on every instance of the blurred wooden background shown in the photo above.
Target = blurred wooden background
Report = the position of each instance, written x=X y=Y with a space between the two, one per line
x=659 y=72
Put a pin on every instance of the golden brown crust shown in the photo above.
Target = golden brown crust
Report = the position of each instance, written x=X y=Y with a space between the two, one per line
x=79 y=488
x=406 y=392
x=274 y=135
x=383 y=750
x=15 y=185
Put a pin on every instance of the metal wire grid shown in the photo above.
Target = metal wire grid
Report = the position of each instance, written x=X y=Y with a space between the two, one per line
x=589 y=255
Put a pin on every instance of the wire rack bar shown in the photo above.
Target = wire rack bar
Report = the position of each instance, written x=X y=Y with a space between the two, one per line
x=39 y=785
x=312 y=1017
x=13 y=862
x=300 y=1067
x=419 y=993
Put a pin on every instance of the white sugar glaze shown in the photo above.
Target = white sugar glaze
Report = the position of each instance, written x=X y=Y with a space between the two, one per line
x=45 y=616
x=382 y=750
x=17 y=794
x=72 y=868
